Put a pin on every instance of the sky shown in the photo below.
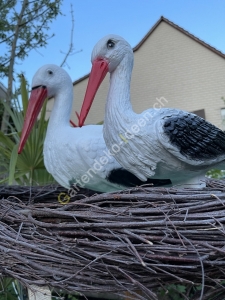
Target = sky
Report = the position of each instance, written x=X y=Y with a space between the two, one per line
x=131 y=19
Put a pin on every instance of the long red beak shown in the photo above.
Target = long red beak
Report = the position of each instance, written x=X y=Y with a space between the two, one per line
x=37 y=98
x=99 y=70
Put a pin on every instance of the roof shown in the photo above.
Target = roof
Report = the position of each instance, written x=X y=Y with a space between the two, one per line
x=162 y=19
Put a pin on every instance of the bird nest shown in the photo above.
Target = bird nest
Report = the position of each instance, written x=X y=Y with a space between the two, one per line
x=141 y=239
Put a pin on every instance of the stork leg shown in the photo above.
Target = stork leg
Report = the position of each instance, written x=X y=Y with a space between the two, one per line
x=39 y=293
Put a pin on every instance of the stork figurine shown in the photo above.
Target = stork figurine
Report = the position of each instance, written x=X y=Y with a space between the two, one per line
x=160 y=143
x=74 y=156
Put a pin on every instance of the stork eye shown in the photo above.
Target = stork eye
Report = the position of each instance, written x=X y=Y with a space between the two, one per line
x=110 y=44
x=50 y=72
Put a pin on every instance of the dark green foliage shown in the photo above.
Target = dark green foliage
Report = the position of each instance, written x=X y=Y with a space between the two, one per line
x=214 y=173
x=7 y=291
x=29 y=20
x=28 y=167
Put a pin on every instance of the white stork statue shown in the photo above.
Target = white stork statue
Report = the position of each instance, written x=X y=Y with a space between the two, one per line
x=158 y=143
x=74 y=156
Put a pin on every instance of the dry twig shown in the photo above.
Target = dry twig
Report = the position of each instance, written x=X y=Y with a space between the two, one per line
x=139 y=239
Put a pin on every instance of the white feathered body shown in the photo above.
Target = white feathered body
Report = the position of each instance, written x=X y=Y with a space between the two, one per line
x=158 y=143
x=73 y=154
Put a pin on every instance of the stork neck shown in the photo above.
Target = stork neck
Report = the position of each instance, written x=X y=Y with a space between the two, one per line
x=118 y=100
x=60 y=114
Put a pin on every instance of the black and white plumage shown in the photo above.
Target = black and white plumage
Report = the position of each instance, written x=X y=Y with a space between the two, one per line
x=195 y=138
x=75 y=157
x=161 y=143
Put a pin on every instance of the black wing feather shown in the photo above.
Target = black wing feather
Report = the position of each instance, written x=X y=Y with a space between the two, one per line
x=195 y=138
x=125 y=178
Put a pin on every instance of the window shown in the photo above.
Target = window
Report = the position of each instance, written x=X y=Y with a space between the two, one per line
x=201 y=113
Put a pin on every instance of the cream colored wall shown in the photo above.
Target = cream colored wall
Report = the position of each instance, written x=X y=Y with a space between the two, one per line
x=96 y=113
x=187 y=74
x=169 y=64
x=49 y=107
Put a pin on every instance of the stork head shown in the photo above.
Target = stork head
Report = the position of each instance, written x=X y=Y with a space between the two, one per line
x=46 y=83
x=107 y=54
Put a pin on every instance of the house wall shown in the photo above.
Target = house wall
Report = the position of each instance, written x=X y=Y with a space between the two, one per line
x=188 y=75
x=173 y=68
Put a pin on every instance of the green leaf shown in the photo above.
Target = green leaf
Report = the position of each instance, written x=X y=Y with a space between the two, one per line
x=28 y=167
x=12 y=164
x=7 y=291
x=199 y=287
x=181 y=288
x=5 y=140
x=24 y=93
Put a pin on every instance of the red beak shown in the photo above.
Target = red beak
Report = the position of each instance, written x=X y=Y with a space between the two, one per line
x=99 y=70
x=37 y=98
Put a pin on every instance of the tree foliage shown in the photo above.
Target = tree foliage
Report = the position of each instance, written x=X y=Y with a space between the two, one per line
x=24 y=26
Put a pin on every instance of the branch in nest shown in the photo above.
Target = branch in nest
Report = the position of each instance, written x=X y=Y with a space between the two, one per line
x=139 y=239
